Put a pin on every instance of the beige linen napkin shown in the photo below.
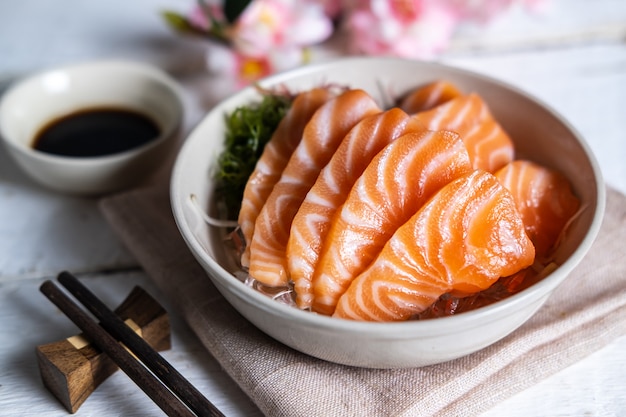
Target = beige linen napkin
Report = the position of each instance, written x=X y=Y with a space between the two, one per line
x=586 y=312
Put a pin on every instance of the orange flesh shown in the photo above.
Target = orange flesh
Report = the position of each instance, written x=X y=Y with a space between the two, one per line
x=321 y=137
x=360 y=210
x=544 y=199
x=463 y=240
x=392 y=188
x=488 y=145
x=428 y=96
x=311 y=223
x=274 y=159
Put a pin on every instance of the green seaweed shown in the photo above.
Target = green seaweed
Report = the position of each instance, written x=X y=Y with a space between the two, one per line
x=248 y=129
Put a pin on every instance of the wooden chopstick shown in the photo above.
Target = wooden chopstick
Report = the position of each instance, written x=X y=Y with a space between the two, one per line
x=159 y=390
x=105 y=342
x=150 y=357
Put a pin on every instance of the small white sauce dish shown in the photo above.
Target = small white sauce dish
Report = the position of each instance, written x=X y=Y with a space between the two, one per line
x=32 y=103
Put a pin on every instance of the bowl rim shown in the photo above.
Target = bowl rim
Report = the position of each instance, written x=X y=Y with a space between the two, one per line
x=122 y=66
x=387 y=330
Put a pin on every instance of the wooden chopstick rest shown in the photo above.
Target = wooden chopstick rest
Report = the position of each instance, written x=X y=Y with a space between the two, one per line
x=71 y=369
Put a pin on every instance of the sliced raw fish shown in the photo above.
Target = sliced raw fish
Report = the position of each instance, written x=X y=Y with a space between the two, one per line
x=321 y=137
x=488 y=145
x=462 y=241
x=544 y=199
x=430 y=95
x=274 y=158
x=311 y=223
x=398 y=181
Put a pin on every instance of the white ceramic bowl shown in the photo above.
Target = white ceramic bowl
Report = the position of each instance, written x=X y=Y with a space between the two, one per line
x=32 y=103
x=537 y=131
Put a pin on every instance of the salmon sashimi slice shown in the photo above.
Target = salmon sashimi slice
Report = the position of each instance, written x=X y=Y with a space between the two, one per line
x=310 y=225
x=274 y=158
x=321 y=137
x=488 y=145
x=428 y=96
x=462 y=240
x=545 y=200
x=397 y=182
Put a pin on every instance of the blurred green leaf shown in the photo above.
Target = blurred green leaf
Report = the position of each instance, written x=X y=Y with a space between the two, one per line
x=181 y=24
x=178 y=22
x=234 y=8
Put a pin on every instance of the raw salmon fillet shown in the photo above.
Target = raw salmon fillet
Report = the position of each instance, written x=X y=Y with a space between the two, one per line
x=321 y=137
x=428 y=96
x=274 y=158
x=310 y=225
x=397 y=182
x=488 y=145
x=461 y=241
x=545 y=200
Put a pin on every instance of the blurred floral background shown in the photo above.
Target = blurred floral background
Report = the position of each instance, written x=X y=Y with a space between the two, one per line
x=251 y=39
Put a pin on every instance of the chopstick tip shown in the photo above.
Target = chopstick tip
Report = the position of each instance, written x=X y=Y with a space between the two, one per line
x=46 y=286
x=63 y=275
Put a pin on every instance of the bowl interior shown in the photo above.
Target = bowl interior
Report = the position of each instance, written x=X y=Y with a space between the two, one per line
x=538 y=132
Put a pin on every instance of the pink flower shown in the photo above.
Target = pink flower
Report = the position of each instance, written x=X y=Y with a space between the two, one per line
x=274 y=35
x=269 y=36
x=197 y=18
x=536 y=6
x=406 y=11
x=245 y=69
x=484 y=11
x=267 y=25
x=332 y=8
x=481 y=11
x=199 y=15
x=411 y=28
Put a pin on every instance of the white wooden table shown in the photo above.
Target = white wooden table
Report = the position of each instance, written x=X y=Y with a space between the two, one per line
x=573 y=58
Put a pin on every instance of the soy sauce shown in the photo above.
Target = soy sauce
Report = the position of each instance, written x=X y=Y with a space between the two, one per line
x=96 y=132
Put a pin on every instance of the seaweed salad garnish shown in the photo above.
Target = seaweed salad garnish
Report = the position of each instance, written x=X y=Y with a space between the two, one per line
x=248 y=129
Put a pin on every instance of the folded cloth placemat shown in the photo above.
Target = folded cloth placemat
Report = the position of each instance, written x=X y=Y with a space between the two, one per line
x=586 y=312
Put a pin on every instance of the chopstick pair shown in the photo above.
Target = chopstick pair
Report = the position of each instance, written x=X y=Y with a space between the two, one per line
x=149 y=370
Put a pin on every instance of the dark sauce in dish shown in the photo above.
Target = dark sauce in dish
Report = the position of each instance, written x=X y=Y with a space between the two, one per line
x=96 y=132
